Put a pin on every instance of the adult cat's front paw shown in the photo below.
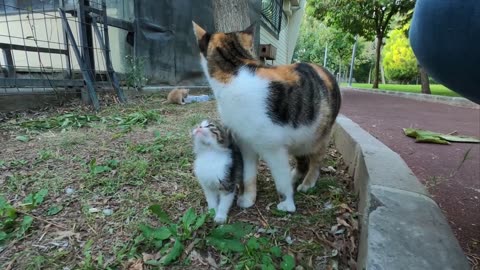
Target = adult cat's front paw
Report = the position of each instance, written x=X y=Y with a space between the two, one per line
x=287 y=205
x=220 y=219
x=304 y=188
x=245 y=200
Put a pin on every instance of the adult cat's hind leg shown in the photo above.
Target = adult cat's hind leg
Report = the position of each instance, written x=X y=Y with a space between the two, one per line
x=301 y=168
x=277 y=160
x=314 y=165
x=248 y=193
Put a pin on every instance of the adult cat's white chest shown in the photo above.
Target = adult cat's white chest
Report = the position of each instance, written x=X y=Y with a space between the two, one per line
x=211 y=166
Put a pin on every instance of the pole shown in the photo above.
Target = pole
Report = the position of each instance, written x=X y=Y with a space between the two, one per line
x=325 y=56
x=353 y=61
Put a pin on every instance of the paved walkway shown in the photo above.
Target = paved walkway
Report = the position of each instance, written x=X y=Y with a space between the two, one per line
x=450 y=172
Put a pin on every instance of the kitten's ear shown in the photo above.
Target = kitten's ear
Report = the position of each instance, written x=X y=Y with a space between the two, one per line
x=199 y=31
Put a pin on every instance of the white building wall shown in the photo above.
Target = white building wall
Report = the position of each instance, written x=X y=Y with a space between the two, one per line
x=287 y=39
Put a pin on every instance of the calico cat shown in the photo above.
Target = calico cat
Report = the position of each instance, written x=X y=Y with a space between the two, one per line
x=218 y=166
x=177 y=96
x=274 y=111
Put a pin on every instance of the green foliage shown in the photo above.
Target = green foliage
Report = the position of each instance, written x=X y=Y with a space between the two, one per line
x=22 y=138
x=95 y=168
x=139 y=118
x=236 y=242
x=135 y=75
x=399 y=62
x=171 y=232
x=366 y=18
x=10 y=227
x=63 y=122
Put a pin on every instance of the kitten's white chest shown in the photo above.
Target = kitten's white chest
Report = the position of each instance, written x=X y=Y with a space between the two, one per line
x=210 y=167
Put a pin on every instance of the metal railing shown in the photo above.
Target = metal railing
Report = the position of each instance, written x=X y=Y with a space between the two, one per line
x=56 y=46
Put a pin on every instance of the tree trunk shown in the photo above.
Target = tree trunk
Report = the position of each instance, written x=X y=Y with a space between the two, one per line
x=424 y=81
x=378 y=49
x=230 y=15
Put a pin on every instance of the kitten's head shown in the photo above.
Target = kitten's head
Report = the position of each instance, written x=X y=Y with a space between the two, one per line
x=184 y=92
x=210 y=135
x=240 y=42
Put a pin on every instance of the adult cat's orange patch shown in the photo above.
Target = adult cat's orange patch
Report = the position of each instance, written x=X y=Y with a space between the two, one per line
x=284 y=73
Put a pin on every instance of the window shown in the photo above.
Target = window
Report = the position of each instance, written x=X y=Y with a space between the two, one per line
x=272 y=15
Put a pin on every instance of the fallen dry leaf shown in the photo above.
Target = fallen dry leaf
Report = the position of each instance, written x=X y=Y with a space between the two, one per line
x=66 y=234
x=148 y=257
x=135 y=265
x=343 y=222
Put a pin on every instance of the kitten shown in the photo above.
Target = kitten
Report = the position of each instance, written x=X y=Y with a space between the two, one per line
x=177 y=96
x=218 y=166
x=274 y=111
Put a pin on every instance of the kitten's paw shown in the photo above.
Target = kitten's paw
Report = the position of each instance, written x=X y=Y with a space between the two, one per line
x=245 y=201
x=287 y=205
x=220 y=219
x=305 y=188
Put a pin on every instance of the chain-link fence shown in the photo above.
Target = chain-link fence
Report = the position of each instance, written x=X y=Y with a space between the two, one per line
x=58 y=47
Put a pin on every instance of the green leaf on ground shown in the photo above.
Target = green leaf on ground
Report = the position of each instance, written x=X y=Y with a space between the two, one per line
x=26 y=223
x=434 y=137
x=161 y=233
x=22 y=138
x=162 y=215
x=53 y=210
x=174 y=253
x=288 y=262
x=189 y=217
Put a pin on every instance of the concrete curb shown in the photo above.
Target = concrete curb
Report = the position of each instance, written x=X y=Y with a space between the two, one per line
x=402 y=227
x=454 y=101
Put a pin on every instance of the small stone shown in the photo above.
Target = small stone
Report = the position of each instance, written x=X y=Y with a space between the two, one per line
x=289 y=240
x=93 y=210
x=69 y=191
x=107 y=212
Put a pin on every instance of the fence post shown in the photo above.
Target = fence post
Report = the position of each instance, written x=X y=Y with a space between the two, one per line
x=7 y=56
x=86 y=41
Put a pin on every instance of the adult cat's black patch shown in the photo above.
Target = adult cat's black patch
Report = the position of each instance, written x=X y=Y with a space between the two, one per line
x=298 y=103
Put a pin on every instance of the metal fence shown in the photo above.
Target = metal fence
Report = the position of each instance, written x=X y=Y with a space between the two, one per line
x=57 y=46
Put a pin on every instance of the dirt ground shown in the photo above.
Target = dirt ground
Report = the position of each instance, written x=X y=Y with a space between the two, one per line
x=76 y=187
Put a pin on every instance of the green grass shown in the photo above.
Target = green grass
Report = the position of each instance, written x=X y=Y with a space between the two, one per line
x=127 y=158
x=436 y=89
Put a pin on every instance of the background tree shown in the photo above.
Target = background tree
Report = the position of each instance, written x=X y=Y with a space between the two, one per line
x=399 y=61
x=367 y=18
x=230 y=15
x=315 y=36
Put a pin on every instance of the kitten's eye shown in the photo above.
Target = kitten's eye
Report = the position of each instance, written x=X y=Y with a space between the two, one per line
x=210 y=125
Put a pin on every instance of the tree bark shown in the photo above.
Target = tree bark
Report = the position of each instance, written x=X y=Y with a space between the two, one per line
x=230 y=15
x=424 y=81
x=378 y=49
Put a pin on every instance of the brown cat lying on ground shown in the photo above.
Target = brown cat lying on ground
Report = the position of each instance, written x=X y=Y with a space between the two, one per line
x=177 y=96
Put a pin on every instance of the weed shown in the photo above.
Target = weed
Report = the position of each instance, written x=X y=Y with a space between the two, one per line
x=139 y=118
x=18 y=163
x=63 y=122
x=135 y=72
x=9 y=225
x=236 y=241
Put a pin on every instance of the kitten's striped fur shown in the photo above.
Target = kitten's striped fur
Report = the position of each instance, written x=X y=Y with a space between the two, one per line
x=274 y=111
x=218 y=166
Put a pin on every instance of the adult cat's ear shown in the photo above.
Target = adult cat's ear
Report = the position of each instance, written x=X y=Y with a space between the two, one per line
x=199 y=31
x=251 y=29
